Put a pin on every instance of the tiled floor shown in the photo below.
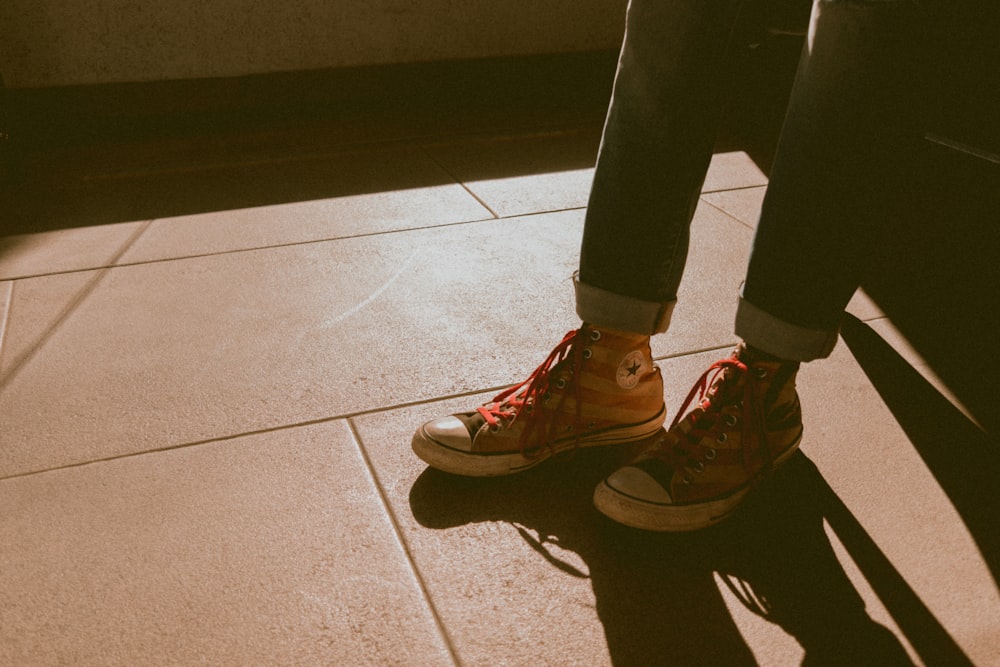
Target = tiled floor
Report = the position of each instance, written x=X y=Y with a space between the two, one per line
x=210 y=371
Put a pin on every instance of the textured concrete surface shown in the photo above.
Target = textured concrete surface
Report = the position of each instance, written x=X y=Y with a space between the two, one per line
x=266 y=549
x=206 y=410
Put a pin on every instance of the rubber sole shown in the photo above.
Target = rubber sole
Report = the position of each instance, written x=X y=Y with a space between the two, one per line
x=658 y=517
x=469 y=464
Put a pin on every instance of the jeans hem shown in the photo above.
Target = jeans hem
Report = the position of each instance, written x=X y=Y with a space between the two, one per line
x=623 y=313
x=783 y=339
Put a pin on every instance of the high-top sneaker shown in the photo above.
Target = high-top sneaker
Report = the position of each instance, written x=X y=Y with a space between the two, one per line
x=597 y=387
x=747 y=421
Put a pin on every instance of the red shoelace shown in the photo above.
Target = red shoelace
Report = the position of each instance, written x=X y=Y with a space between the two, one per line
x=715 y=390
x=526 y=396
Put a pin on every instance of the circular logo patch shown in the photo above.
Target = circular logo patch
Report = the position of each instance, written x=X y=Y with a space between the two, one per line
x=631 y=369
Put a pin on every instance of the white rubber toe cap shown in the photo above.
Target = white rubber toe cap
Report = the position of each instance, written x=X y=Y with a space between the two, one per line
x=636 y=483
x=451 y=432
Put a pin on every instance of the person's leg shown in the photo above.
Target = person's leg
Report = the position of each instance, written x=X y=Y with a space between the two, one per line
x=809 y=250
x=835 y=174
x=669 y=91
x=600 y=385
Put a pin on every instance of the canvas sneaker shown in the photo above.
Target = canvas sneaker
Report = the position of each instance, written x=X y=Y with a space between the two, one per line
x=597 y=387
x=747 y=421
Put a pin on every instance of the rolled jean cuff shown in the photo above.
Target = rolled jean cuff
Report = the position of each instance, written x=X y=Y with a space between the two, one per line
x=622 y=313
x=780 y=338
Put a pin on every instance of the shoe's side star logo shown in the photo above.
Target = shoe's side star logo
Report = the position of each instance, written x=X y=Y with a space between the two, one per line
x=631 y=369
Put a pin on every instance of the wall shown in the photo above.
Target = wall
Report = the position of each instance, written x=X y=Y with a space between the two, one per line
x=79 y=42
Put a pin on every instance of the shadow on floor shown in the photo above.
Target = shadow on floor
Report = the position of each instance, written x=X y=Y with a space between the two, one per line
x=657 y=594
x=123 y=152
x=937 y=273
x=84 y=157
x=963 y=458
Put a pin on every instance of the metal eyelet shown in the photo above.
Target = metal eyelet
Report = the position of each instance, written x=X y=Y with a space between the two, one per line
x=761 y=373
x=686 y=479
x=560 y=383
x=722 y=437
x=709 y=454
x=595 y=335
x=698 y=467
x=587 y=353
x=495 y=428
x=730 y=420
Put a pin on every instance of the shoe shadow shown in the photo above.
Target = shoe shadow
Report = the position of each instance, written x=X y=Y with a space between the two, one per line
x=657 y=594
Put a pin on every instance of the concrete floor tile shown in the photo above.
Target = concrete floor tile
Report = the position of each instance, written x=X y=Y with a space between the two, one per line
x=893 y=465
x=45 y=303
x=65 y=249
x=523 y=570
x=864 y=307
x=743 y=204
x=161 y=354
x=349 y=194
x=858 y=548
x=147 y=356
x=518 y=175
x=706 y=300
x=731 y=170
x=6 y=290
x=269 y=549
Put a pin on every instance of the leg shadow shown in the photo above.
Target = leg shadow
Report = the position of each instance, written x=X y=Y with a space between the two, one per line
x=963 y=458
x=656 y=598
x=657 y=595
x=778 y=560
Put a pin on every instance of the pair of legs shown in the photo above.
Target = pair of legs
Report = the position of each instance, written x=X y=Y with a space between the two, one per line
x=600 y=385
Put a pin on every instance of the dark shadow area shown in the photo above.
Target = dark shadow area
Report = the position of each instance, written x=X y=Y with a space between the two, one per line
x=937 y=275
x=103 y=154
x=962 y=457
x=656 y=594
x=92 y=155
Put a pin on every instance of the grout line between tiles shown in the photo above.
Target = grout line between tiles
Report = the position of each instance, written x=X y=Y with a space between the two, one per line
x=5 y=301
x=480 y=200
x=734 y=189
x=291 y=244
x=246 y=434
x=31 y=350
x=689 y=353
x=460 y=182
x=312 y=422
x=726 y=213
x=117 y=265
x=404 y=545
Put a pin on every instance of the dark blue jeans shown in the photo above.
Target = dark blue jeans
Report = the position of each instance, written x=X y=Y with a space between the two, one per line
x=853 y=92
